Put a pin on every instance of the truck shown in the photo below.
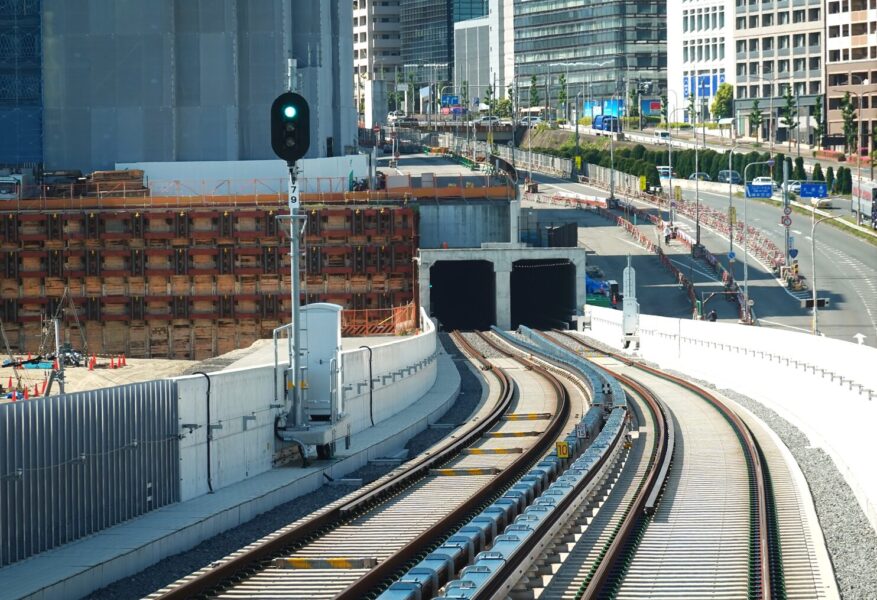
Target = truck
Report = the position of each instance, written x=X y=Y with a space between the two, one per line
x=863 y=201
x=16 y=186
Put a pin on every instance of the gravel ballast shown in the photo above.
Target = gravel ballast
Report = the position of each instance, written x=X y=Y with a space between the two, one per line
x=175 y=567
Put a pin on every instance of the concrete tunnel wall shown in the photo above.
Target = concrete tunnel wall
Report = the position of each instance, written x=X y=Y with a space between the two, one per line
x=243 y=408
x=463 y=225
x=502 y=257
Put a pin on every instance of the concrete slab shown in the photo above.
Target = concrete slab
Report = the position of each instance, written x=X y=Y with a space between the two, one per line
x=78 y=568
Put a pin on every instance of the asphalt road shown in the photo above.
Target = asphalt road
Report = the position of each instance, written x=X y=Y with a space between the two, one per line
x=847 y=274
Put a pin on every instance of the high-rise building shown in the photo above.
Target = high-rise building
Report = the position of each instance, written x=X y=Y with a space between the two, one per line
x=778 y=45
x=700 y=57
x=20 y=83
x=178 y=81
x=501 y=21
x=427 y=32
x=851 y=65
x=376 y=56
x=603 y=48
x=472 y=61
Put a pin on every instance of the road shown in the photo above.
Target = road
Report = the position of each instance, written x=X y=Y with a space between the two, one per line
x=847 y=273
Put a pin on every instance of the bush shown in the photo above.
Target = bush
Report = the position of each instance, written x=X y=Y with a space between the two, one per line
x=829 y=178
x=817 y=173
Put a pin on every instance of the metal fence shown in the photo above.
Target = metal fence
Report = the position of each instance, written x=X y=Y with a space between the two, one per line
x=602 y=176
x=73 y=465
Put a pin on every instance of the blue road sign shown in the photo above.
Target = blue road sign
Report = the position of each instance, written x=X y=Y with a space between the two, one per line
x=759 y=191
x=731 y=256
x=449 y=100
x=816 y=189
x=793 y=252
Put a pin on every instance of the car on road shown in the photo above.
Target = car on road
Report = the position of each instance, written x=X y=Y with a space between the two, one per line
x=699 y=175
x=530 y=121
x=664 y=172
x=727 y=176
x=794 y=186
x=821 y=203
x=765 y=181
x=487 y=120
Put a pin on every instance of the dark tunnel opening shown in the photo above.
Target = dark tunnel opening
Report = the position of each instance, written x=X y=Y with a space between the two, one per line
x=462 y=294
x=543 y=293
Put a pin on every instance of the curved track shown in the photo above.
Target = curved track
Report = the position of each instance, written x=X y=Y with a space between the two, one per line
x=713 y=535
x=355 y=546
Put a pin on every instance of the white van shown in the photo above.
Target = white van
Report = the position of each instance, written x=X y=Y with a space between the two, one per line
x=664 y=172
x=662 y=134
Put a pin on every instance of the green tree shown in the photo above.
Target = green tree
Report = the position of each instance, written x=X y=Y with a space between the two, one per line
x=723 y=102
x=819 y=130
x=778 y=167
x=504 y=108
x=756 y=118
x=633 y=110
x=665 y=109
x=534 y=93
x=488 y=99
x=829 y=178
x=464 y=95
x=798 y=172
x=692 y=110
x=848 y=114
x=410 y=94
x=510 y=94
x=817 y=173
x=789 y=114
x=562 y=95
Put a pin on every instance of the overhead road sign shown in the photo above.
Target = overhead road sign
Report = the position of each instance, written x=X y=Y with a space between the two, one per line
x=816 y=189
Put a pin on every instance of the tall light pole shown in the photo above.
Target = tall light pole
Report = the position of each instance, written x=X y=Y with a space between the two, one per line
x=730 y=206
x=815 y=330
x=858 y=144
x=769 y=163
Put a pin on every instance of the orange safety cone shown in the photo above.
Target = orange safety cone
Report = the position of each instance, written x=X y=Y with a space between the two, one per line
x=91 y=365
x=112 y=363
x=124 y=362
x=25 y=393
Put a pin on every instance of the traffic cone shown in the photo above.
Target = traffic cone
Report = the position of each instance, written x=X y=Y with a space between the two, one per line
x=91 y=365
x=55 y=365
x=124 y=362
x=36 y=389
x=25 y=393
x=112 y=363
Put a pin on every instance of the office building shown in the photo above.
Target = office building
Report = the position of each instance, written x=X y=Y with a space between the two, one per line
x=472 y=61
x=851 y=65
x=20 y=84
x=777 y=45
x=376 y=57
x=700 y=42
x=427 y=35
x=603 y=48
x=180 y=81
x=501 y=18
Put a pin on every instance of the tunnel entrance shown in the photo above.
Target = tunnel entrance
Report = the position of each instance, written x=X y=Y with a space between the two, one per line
x=462 y=294
x=543 y=293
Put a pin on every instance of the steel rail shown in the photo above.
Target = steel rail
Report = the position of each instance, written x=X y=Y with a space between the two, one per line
x=763 y=543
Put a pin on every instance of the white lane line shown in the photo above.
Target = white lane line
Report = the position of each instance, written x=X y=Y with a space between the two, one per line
x=682 y=266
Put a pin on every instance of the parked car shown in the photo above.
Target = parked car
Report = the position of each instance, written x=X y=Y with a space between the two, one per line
x=606 y=123
x=530 y=121
x=699 y=175
x=765 y=181
x=726 y=176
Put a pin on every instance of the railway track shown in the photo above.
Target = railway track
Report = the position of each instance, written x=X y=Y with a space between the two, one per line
x=355 y=547
x=731 y=522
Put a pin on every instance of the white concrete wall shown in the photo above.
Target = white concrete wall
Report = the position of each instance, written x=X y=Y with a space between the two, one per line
x=776 y=368
x=241 y=406
x=403 y=371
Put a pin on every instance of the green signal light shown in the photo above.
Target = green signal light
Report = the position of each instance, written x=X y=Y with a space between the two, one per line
x=289 y=112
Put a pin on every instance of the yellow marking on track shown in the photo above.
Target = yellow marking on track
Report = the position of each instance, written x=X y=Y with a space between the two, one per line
x=465 y=472
x=526 y=416
x=326 y=563
x=493 y=451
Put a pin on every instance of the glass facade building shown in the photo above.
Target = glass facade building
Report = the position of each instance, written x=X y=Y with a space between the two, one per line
x=427 y=32
x=21 y=62
x=603 y=47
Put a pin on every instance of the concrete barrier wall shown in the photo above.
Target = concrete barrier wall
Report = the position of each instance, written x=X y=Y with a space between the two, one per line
x=402 y=372
x=827 y=388
x=243 y=408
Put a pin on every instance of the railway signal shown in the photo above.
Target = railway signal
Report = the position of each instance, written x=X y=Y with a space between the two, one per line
x=290 y=126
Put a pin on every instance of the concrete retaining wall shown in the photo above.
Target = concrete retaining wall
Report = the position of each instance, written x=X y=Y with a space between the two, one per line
x=827 y=388
x=243 y=407
x=463 y=225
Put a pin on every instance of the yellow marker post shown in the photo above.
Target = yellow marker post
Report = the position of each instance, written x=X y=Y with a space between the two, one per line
x=642 y=183
x=562 y=449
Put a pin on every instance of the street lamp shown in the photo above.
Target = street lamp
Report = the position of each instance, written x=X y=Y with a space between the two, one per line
x=813 y=281
x=730 y=206
x=769 y=163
